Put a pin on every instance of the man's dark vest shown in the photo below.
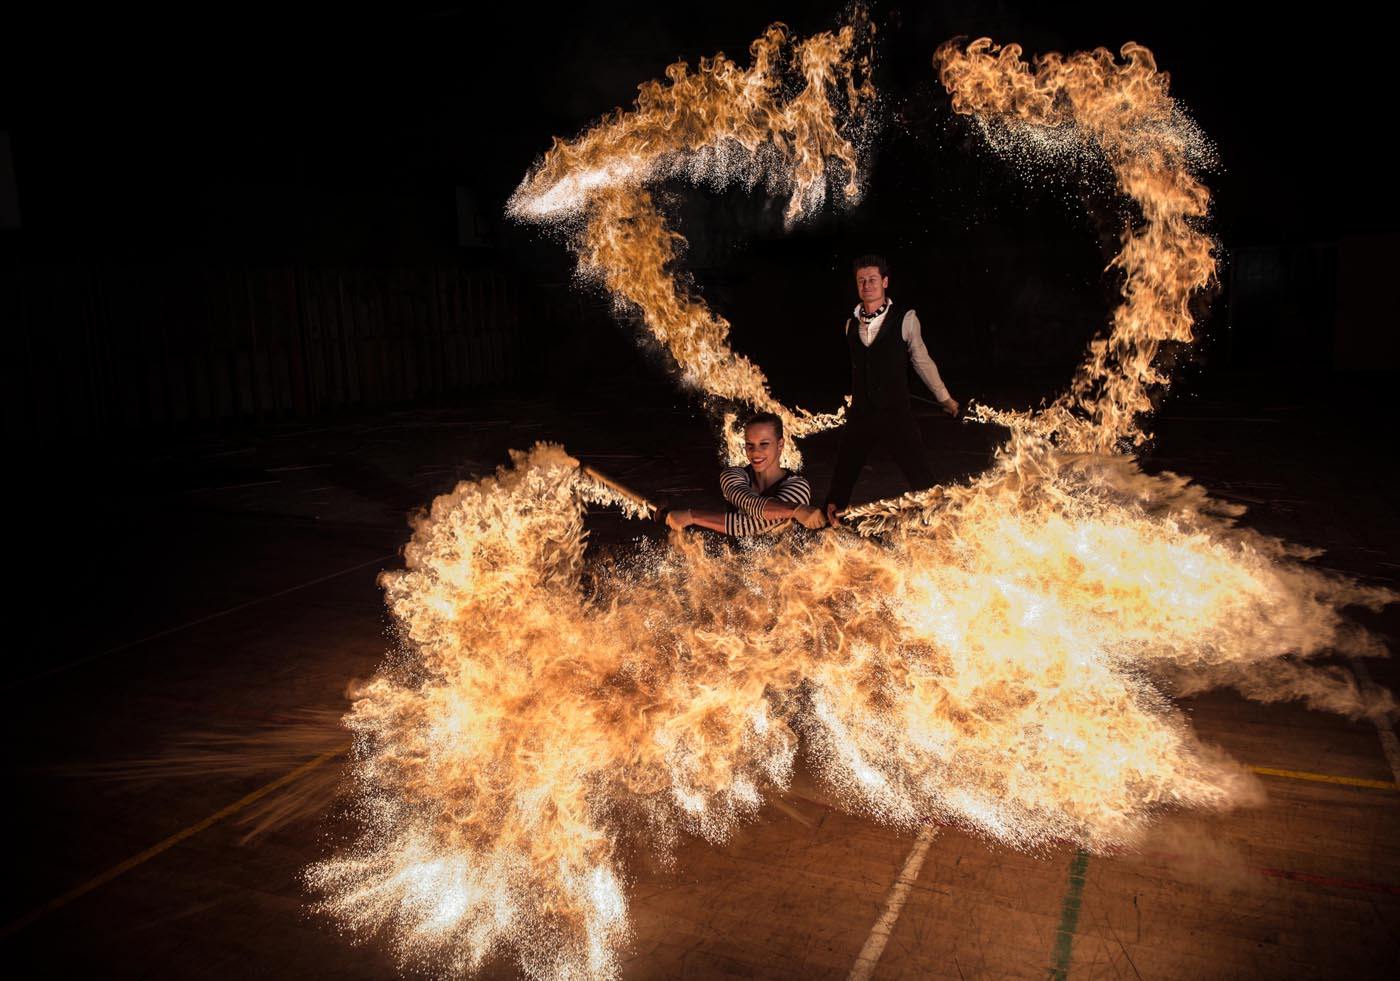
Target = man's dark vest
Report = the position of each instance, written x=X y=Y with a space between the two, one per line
x=880 y=372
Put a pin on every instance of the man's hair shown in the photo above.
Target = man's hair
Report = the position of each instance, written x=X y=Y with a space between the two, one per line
x=868 y=260
x=759 y=418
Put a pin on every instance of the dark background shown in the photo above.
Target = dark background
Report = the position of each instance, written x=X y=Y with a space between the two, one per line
x=258 y=302
x=239 y=215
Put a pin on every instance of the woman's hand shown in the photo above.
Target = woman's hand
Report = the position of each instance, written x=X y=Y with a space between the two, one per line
x=809 y=517
x=679 y=519
x=950 y=406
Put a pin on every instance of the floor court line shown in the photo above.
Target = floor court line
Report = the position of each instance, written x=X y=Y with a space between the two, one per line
x=1069 y=912
x=866 y=960
x=88 y=659
x=1389 y=744
x=1069 y=916
x=121 y=868
x=879 y=935
x=1268 y=771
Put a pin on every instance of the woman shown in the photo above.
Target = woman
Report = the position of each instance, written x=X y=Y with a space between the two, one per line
x=763 y=497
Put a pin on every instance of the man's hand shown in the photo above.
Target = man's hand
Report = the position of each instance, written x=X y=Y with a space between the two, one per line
x=832 y=518
x=809 y=517
x=678 y=519
x=950 y=406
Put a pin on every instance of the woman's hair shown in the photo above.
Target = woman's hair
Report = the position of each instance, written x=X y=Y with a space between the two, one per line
x=772 y=419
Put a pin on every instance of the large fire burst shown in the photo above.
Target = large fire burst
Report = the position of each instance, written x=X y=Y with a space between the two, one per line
x=998 y=655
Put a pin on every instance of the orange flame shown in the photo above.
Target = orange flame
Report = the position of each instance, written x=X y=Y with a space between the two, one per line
x=1002 y=660
x=1090 y=103
x=718 y=124
x=992 y=677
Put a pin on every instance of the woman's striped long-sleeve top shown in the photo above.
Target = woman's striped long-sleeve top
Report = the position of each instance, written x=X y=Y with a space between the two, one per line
x=745 y=516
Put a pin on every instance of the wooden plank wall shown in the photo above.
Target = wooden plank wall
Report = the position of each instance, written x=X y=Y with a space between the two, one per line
x=98 y=349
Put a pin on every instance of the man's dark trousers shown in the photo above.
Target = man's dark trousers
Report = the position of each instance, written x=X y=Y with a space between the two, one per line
x=880 y=410
x=898 y=430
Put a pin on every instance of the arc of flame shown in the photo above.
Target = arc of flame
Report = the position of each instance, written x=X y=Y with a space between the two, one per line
x=1090 y=102
x=1087 y=103
x=718 y=123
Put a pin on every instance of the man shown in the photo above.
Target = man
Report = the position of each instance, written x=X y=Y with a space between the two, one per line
x=884 y=339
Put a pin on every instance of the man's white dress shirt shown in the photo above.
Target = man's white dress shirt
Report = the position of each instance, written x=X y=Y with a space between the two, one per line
x=914 y=338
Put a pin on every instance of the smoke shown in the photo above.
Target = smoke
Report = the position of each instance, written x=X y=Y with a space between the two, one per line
x=1191 y=851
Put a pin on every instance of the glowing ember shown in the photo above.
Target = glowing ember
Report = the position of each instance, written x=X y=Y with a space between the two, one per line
x=1001 y=660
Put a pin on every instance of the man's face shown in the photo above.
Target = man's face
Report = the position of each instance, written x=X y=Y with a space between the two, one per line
x=871 y=285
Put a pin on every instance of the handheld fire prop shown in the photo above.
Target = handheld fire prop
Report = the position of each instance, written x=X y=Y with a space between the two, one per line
x=1000 y=659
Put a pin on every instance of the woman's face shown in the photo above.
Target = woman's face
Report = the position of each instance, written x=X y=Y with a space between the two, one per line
x=763 y=446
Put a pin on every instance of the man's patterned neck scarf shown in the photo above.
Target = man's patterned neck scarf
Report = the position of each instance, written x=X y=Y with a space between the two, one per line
x=866 y=318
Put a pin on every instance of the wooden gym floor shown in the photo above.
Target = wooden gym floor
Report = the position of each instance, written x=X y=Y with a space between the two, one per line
x=231 y=583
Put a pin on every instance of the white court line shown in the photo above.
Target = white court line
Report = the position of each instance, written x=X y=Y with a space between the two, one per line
x=1389 y=744
x=869 y=955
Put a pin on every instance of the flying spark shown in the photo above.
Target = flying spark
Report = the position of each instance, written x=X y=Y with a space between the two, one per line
x=1002 y=657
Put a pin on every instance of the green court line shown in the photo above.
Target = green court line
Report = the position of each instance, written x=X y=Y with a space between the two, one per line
x=1069 y=916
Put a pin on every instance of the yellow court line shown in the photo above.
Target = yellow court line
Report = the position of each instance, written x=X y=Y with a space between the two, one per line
x=15 y=926
x=1267 y=771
